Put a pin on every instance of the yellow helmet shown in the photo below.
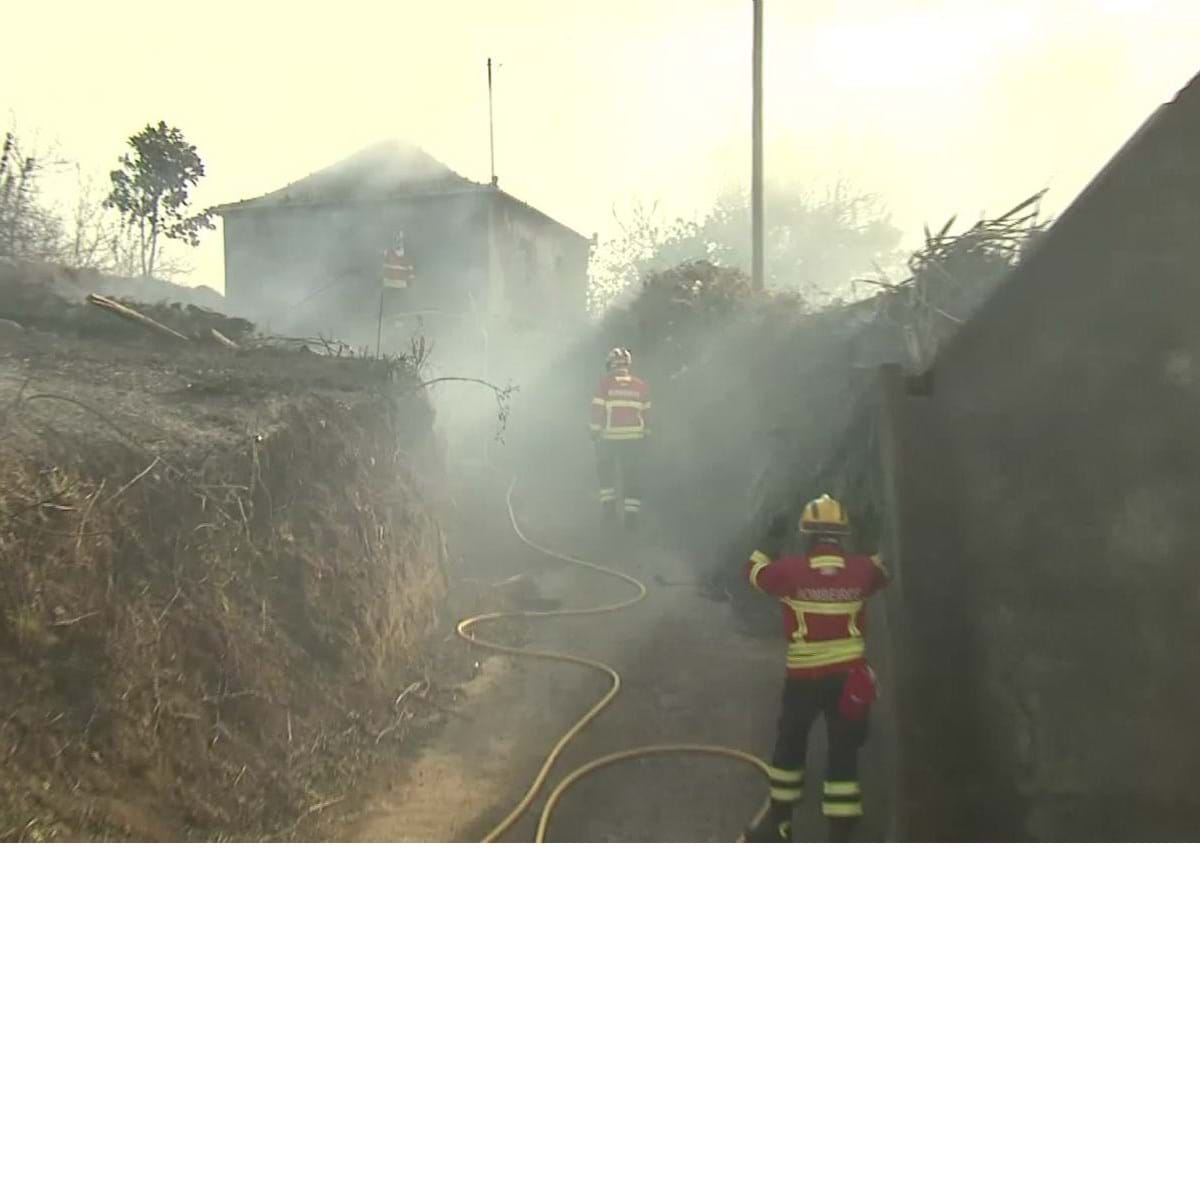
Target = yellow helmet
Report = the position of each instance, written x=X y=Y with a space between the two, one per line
x=825 y=515
x=619 y=357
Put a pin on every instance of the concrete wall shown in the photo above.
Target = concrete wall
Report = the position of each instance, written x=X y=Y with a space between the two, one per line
x=539 y=289
x=540 y=275
x=1047 y=518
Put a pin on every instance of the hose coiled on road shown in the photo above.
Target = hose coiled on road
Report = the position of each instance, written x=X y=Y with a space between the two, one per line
x=466 y=630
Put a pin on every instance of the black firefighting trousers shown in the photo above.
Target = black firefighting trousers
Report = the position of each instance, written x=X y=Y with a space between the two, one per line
x=804 y=700
x=620 y=458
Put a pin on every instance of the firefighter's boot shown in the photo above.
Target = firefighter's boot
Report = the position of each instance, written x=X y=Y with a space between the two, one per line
x=775 y=825
x=843 y=829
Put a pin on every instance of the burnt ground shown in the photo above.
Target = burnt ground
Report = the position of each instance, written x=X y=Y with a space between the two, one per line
x=691 y=672
x=187 y=402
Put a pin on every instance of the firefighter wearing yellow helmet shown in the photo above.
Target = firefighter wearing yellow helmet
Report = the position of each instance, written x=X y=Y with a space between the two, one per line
x=823 y=594
x=620 y=421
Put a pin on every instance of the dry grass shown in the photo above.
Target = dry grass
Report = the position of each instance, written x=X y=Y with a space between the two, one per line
x=201 y=636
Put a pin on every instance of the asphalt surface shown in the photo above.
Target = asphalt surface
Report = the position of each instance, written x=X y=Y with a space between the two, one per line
x=690 y=674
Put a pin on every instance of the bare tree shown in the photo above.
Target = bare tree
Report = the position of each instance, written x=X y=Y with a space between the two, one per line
x=96 y=237
x=28 y=227
x=817 y=243
x=645 y=241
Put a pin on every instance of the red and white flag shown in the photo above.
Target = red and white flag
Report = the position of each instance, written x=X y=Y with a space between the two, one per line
x=397 y=270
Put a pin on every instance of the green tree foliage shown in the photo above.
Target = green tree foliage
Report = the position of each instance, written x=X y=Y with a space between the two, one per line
x=151 y=189
x=818 y=245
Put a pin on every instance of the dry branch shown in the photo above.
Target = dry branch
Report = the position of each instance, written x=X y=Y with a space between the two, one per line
x=130 y=314
x=950 y=273
x=140 y=475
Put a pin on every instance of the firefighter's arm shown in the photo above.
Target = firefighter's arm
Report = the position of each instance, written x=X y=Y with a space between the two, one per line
x=762 y=569
x=647 y=424
x=596 y=416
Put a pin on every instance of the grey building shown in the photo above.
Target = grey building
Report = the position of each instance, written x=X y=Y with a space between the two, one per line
x=481 y=267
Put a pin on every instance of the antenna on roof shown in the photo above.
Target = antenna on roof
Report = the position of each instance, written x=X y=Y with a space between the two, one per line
x=492 y=124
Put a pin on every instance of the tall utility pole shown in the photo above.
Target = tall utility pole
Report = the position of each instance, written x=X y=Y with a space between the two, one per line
x=756 y=171
x=491 y=124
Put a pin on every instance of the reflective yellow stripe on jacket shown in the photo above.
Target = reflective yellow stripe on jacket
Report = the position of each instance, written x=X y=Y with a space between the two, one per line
x=760 y=560
x=803 y=653
x=613 y=404
x=825 y=654
x=822 y=561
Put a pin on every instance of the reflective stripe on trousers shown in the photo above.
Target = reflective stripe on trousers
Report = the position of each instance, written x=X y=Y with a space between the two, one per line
x=804 y=701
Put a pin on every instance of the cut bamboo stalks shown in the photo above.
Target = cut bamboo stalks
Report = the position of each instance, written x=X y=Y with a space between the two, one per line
x=130 y=314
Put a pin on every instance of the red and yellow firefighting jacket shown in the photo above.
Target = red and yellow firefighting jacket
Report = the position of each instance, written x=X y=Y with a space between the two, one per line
x=621 y=408
x=824 y=596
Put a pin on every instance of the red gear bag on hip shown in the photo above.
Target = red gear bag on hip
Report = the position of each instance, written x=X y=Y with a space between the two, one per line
x=859 y=692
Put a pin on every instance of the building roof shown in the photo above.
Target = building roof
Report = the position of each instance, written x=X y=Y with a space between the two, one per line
x=387 y=170
x=377 y=172
x=536 y=213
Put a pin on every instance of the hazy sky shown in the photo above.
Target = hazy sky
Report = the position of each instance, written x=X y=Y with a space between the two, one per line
x=950 y=106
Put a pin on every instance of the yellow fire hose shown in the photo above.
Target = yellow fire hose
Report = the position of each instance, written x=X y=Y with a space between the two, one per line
x=465 y=630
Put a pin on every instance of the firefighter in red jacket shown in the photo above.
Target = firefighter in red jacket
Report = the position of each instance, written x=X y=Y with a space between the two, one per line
x=619 y=424
x=823 y=593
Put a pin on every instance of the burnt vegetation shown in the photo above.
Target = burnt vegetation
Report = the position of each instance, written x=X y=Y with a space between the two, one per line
x=214 y=568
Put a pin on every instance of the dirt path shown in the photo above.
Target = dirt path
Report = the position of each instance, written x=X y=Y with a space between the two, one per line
x=689 y=674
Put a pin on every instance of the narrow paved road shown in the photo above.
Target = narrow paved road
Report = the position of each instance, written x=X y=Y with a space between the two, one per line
x=690 y=674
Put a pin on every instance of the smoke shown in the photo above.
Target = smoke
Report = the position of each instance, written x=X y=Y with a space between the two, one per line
x=940 y=107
